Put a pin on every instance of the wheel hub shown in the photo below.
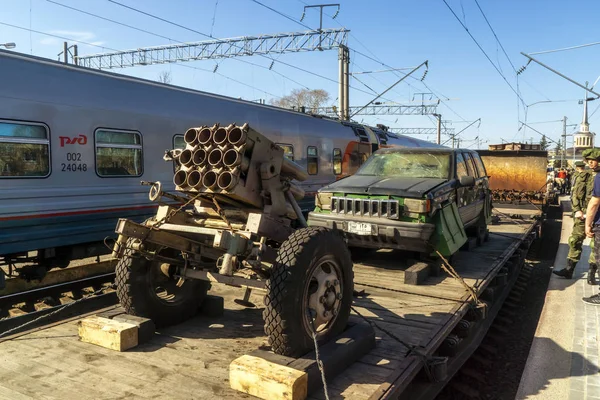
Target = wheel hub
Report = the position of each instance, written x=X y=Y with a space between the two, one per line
x=325 y=295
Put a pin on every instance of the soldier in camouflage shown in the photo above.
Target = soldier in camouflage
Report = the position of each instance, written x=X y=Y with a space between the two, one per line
x=583 y=181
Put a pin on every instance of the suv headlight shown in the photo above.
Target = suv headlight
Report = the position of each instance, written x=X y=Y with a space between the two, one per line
x=417 y=206
x=323 y=201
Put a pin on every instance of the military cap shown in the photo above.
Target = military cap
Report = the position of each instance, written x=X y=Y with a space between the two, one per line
x=593 y=153
x=579 y=164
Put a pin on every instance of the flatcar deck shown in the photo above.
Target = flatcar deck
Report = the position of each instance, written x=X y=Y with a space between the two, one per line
x=192 y=360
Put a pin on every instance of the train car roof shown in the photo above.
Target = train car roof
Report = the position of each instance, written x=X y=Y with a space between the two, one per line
x=58 y=64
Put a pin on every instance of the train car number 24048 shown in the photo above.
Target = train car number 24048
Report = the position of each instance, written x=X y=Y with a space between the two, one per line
x=73 y=163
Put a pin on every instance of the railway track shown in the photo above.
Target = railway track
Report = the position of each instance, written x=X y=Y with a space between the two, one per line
x=494 y=370
x=25 y=310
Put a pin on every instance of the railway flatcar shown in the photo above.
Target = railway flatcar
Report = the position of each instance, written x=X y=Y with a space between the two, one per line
x=75 y=144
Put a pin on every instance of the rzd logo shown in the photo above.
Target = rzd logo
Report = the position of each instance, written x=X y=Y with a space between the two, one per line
x=81 y=139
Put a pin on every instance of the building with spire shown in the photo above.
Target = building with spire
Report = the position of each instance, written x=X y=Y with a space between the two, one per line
x=584 y=139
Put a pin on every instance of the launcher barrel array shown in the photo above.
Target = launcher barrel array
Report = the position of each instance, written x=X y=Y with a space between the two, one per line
x=227 y=160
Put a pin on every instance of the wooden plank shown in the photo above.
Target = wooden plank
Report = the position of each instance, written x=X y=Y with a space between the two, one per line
x=386 y=315
x=76 y=370
x=267 y=380
x=141 y=371
x=109 y=333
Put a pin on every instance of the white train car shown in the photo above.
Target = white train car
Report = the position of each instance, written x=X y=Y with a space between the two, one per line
x=75 y=144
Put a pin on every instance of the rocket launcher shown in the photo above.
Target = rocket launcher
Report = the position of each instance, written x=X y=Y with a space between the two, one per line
x=239 y=163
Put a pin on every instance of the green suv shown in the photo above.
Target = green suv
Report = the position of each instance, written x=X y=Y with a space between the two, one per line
x=414 y=199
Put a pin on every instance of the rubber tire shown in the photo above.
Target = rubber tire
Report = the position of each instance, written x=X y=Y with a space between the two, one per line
x=296 y=258
x=136 y=298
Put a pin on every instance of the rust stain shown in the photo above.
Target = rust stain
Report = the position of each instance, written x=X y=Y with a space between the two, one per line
x=516 y=173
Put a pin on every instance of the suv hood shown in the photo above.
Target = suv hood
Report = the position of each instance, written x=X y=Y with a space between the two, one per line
x=378 y=185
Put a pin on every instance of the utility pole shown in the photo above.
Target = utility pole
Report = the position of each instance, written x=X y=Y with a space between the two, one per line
x=321 y=6
x=344 y=82
x=439 y=128
x=564 y=142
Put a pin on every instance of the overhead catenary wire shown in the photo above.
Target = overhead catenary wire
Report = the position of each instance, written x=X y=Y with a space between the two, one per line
x=109 y=48
x=212 y=37
x=438 y=94
x=565 y=48
x=161 y=36
x=483 y=51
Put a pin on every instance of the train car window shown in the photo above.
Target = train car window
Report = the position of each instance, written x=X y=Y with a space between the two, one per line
x=118 y=153
x=24 y=150
x=178 y=142
x=312 y=160
x=288 y=150
x=480 y=166
x=337 y=161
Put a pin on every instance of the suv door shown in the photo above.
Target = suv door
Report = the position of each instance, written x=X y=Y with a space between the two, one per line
x=485 y=185
x=479 y=191
x=464 y=195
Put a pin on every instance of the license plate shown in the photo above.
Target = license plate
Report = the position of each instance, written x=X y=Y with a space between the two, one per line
x=360 y=228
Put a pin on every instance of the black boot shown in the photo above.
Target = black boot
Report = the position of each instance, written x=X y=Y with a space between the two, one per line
x=567 y=272
x=591 y=278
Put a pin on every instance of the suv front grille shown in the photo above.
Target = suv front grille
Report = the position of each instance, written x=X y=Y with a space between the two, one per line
x=365 y=207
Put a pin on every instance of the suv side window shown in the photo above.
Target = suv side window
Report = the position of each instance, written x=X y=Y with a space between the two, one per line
x=480 y=166
x=461 y=166
x=470 y=165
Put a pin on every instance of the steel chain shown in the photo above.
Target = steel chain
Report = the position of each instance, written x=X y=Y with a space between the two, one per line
x=317 y=355
x=60 y=308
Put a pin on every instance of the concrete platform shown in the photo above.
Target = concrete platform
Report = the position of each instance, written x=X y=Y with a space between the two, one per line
x=563 y=359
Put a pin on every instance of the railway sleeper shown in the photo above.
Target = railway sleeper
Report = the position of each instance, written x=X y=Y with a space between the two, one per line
x=465 y=389
x=473 y=374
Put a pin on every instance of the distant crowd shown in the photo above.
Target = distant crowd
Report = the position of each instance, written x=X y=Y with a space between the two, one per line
x=560 y=179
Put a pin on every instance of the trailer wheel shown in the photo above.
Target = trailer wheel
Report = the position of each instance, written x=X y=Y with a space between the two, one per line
x=145 y=290
x=311 y=285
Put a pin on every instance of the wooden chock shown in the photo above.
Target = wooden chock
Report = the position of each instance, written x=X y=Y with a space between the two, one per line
x=109 y=333
x=267 y=380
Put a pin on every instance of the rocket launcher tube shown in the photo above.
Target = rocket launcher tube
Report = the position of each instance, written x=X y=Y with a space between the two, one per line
x=232 y=158
x=194 y=179
x=186 y=157
x=191 y=136
x=236 y=136
x=199 y=157
x=204 y=136
x=215 y=158
x=210 y=180
x=220 y=137
x=180 y=178
x=227 y=180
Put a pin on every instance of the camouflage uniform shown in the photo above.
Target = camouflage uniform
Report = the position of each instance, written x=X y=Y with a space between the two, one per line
x=583 y=184
x=580 y=196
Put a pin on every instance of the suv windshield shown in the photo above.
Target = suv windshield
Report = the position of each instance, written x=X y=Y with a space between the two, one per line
x=408 y=164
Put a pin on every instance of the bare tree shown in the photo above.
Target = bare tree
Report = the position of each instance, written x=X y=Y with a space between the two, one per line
x=164 y=77
x=310 y=99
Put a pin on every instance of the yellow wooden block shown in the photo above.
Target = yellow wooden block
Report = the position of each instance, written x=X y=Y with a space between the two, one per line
x=267 y=380
x=108 y=333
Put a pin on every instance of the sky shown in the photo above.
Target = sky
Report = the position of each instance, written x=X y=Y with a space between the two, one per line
x=384 y=34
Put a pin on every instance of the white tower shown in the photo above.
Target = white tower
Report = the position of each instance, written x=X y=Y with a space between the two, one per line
x=584 y=139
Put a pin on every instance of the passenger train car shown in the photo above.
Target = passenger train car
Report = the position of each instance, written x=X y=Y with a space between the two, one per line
x=75 y=144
